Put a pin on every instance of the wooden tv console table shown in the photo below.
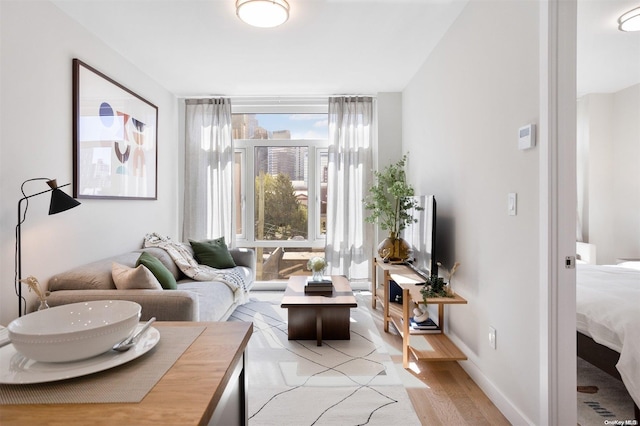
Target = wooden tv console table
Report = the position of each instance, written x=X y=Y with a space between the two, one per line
x=438 y=346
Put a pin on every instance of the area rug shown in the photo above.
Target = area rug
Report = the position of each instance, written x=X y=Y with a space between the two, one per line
x=601 y=398
x=342 y=382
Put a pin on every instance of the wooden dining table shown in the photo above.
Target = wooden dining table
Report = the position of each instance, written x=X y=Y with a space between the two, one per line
x=206 y=385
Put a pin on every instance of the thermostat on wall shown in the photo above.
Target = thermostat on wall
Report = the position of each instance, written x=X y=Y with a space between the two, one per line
x=527 y=136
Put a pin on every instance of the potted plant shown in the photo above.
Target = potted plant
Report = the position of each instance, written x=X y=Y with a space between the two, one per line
x=434 y=287
x=390 y=201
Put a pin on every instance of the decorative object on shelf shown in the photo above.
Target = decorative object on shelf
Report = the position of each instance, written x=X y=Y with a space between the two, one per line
x=449 y=276
x=394 y=249
x=34 y=285
x=420 y=315
x=263 y=13
x=390 y=201
x=60 y=202
x=434 y=287
x=317 y=266
x=115 y=139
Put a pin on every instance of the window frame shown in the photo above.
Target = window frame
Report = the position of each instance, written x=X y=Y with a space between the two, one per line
x=246 y=148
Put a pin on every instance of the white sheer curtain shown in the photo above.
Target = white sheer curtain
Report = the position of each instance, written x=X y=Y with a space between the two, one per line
x=352 y=133
x=208 y=189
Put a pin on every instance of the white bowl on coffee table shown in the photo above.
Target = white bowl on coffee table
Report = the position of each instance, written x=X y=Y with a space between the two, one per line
x=75 y=331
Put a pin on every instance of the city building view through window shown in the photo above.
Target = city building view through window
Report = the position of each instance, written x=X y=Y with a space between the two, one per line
x=281 y=189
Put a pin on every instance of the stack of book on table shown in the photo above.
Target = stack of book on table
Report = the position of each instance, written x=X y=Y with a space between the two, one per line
x=427 y=326
x=323 y=287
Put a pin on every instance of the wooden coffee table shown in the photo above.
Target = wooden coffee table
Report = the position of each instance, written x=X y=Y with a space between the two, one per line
x=319 y=317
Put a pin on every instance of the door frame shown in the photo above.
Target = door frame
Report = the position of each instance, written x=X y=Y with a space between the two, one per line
x=558 y=29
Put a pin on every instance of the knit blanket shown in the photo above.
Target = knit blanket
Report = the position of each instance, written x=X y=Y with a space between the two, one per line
x=186 y=262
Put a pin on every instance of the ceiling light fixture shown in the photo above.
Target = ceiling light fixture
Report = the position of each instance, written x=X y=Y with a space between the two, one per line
x=263 y=13
x=630 y=21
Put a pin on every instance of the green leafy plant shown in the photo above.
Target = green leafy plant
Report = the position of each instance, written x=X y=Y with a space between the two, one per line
x=390 y=200
x=434 y=287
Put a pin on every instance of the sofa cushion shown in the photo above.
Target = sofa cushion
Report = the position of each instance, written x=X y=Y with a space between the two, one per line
x=164 y=276
x=92 y=276
x=215 y=299
x=165 y=258
x=127 y=278
x=213 y=253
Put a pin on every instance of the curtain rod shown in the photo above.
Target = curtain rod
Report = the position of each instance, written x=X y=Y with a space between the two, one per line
x=275 y=97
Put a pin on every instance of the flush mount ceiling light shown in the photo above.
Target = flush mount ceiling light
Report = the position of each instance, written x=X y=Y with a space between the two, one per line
x=630 y=21
x=263 y=13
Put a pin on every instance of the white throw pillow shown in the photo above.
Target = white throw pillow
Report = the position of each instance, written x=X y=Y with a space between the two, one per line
x=127 y=278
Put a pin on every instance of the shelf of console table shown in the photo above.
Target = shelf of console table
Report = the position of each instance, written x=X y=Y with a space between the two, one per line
x=438 y=346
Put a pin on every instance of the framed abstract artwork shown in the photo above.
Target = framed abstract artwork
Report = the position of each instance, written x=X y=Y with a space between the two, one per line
x=115 y=139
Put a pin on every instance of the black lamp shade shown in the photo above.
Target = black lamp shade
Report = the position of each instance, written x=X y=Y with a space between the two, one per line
x=60 y=202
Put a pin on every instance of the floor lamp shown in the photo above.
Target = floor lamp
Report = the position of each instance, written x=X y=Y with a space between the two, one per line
x=59 y=203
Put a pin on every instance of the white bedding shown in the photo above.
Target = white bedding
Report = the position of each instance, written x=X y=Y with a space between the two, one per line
x=608 y=310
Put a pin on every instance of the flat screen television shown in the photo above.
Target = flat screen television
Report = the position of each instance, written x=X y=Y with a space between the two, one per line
x=421 y=237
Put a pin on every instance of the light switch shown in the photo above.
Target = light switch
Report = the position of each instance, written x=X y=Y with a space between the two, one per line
x=512 y=203
x=492 y=337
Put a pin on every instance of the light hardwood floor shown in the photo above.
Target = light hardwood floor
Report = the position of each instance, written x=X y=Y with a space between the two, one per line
x=441 y=392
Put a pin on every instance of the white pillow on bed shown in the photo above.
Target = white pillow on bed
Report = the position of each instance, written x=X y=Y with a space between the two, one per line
x=632 y=264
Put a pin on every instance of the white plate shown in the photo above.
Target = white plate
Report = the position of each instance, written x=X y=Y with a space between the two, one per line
x=16 y=369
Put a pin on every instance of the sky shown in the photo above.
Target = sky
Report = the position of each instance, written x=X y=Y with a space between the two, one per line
x=302 y=126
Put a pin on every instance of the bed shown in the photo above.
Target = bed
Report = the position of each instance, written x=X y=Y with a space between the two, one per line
x=608 y=320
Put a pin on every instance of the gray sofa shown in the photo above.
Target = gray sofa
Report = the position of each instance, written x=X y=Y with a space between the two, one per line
x=192 y=301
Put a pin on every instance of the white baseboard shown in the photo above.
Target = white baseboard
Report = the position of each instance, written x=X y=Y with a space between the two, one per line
x=499 y=399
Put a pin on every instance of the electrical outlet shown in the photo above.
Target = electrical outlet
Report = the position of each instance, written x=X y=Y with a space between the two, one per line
x=492 y=337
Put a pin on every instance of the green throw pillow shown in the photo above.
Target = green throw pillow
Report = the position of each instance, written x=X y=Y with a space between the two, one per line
x=164 y=276
x=213 y=253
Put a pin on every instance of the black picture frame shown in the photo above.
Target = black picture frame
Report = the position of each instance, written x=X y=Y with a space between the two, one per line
x=115 y=139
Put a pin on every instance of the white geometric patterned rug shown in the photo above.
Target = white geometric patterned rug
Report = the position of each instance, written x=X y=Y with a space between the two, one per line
x=342 y=382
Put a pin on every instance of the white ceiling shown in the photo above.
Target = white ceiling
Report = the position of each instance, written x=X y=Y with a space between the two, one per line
x=200 y=47
x=608 y=59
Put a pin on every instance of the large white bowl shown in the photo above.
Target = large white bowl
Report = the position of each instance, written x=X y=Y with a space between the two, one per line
x=75 y=331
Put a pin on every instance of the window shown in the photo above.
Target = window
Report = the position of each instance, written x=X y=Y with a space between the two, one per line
x=281 y=185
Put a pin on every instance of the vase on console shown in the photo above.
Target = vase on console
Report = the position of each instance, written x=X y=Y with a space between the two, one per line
x=317 y=266
x=394 y=248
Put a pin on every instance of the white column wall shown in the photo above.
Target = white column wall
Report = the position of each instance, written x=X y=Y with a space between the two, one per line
x=38 y=43
x=461 y=115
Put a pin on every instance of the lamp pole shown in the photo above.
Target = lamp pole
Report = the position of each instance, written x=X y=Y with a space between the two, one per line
x=59 y=203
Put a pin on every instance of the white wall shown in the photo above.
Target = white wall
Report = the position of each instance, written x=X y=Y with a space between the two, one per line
x=389 y=144
x=389 y=148
x=461 y=114
x=611 y=138
x=38 y=45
